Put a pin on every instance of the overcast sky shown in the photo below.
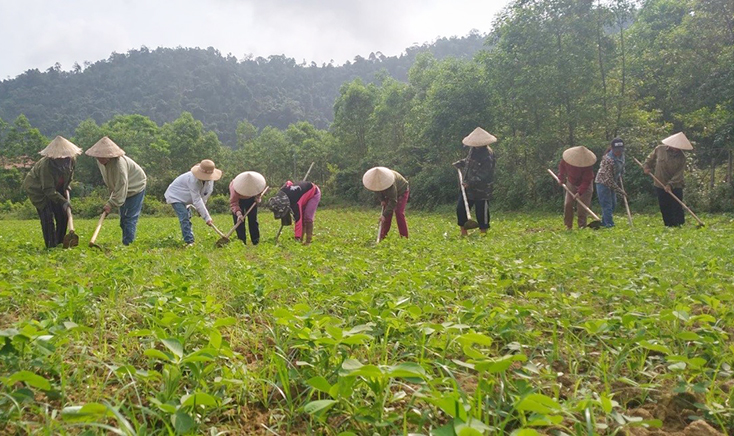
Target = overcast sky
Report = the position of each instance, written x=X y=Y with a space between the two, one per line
x=39 y=33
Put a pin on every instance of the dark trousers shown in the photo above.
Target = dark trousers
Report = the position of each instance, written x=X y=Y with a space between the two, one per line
x=252 y=223
x=671 y=210
x=481 y=209
x=53 y=234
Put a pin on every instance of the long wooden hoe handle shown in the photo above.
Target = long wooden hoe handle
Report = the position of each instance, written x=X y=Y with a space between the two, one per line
x=99 y=226
x=307 y=172
x=379 y=227
x=671 y=194
x=626 y=204
x=463 y=194
x=68 y=214
x=219 y=232
x=578 y=200
x=71 y=220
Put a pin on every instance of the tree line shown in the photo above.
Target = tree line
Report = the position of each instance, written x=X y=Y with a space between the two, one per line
x=216 y=89
x=551 y=75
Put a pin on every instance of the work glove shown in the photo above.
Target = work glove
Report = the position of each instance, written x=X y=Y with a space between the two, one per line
x=66 y=206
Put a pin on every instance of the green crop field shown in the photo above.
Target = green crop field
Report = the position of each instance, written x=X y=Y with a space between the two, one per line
x=530 y=330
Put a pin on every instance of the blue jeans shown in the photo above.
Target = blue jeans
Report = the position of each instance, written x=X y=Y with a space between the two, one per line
x=184 y=219
x=129 y=214
x=608 y=202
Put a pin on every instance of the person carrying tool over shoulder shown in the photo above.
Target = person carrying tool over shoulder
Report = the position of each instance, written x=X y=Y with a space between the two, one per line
x=393 y=191
x=194 y=188
x=478 y=168
x=667 y=163
x=126 y=182
x=576 y=171
x=244 y=195
x=47 y=185
x=302 y=200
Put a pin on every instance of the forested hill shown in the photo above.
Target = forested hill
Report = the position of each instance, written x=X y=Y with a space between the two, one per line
x=218 y=90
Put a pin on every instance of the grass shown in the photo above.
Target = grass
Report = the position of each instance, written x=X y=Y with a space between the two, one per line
x=532 y=329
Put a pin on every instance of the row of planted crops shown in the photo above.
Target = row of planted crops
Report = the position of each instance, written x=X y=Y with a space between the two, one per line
x=530 y=330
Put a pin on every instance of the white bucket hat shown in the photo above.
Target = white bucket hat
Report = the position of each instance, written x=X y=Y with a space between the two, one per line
x=59 y=148
x=105 y=148
x=479 y=138
x=206 y=170
x=678 y=141
x=378 y=179
x=249 y=183
x=579 y=156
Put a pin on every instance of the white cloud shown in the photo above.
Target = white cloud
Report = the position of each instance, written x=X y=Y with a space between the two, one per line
x=38 y=33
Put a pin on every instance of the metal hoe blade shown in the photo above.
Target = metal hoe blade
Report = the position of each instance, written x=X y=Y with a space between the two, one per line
x=471 y=224
x=71 y=240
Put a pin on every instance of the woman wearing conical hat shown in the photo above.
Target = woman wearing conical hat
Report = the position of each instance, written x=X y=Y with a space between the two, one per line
x=393 y=192
x=667 y=162
x=478 y=176
x=576 y=171
x=47 y=185
x=193 y=187
x=126 y=182
x=244 y=193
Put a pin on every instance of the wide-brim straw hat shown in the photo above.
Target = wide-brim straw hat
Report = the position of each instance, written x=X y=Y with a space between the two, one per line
x=60 y=148
x=206 y=170
x=479 y=138
x=249 y=183
x=579 y=156
x=105 y=148
x=678 y=141
x=378 y=179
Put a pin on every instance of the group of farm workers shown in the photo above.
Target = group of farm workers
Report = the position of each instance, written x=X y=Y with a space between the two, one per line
x=47 y=185
x=666 y=163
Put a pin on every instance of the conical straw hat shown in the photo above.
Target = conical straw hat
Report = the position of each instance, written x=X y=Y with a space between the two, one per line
x=579 y=156
x=378 y=179
x=206 y=170
x=60 y=147
x=249 y=183
x=479 y=138
x=105 y=147
x=678 y=141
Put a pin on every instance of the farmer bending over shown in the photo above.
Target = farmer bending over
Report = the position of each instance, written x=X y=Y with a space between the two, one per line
x=300 y=199
x=393 y=192
x=668 y=163
x=193 y=188
x=47 y=185
x=575 y=170
x=244 y=193
x=126 y=182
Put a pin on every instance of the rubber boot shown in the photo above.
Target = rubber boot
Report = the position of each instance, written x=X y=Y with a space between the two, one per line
x=308 y=229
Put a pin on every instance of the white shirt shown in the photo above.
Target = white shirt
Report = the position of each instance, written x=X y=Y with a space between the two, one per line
x=187 y=189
